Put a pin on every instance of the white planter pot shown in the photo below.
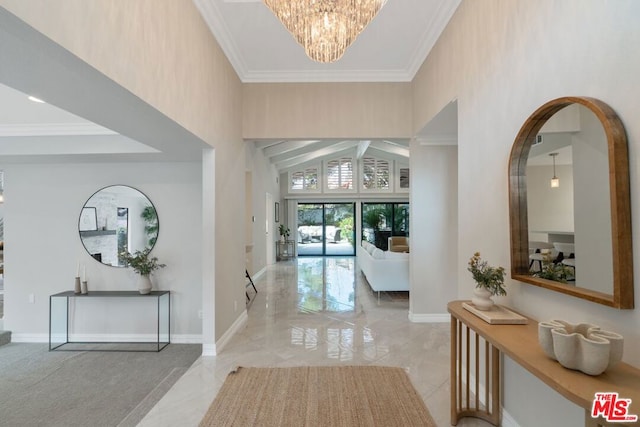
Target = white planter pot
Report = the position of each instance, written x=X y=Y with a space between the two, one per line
x=144 y=284
x=482 y=299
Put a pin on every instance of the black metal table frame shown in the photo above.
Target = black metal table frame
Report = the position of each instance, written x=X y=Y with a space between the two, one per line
x=112 y=294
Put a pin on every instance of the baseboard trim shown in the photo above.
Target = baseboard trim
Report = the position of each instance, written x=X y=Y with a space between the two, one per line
x=507 y=419
x=429 y=318
x=259 y=273
x=208 y=349
x=226 y=337
x=44 y=338
x=186 y=339
x=36 y=338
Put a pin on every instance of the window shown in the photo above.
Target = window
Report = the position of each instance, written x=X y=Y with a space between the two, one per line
x=375 y=174
x=383 y=220
x=404 y=177
x=340 y=174
x=306 y=179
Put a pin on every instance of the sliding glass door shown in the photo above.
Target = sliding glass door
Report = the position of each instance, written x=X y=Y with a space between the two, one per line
x=325 y=229
x=310 y=229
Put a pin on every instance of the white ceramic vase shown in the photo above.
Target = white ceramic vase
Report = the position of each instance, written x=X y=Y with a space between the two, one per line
x=144 y=284
x=482 y=299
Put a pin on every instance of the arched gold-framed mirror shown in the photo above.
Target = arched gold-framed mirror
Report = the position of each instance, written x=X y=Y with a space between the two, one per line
x=619 y=293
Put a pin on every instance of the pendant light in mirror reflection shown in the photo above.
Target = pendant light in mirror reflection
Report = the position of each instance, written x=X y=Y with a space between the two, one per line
x=555 y=181
x=115 y=220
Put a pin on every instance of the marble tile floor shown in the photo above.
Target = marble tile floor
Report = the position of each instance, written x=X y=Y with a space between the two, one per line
x=319 y=311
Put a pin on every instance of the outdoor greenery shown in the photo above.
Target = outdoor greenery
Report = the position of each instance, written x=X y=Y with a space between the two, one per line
x=487 y=277
x=346 y=225
x=381 y=220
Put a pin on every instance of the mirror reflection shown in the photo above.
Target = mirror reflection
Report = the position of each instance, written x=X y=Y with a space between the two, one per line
x=568 y=201
x=117 y=219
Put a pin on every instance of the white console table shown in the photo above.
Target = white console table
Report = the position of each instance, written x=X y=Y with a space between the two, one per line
x=59 y=322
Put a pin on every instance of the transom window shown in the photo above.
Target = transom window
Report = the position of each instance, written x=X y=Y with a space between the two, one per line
x=306 y=179
x=375 y=174
x=404 y=177
x=340 y=174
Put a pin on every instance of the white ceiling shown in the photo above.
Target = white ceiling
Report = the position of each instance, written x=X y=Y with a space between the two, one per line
x=30 y=128
x=390 y=49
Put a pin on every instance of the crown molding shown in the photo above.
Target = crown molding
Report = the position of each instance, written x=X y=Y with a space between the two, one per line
x=431 y=34
x=53 y=129
x=337 y=76
x=211 y=15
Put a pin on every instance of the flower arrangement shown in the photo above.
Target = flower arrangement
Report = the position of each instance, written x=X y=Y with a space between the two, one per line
x=141 y=262
x=487 y=277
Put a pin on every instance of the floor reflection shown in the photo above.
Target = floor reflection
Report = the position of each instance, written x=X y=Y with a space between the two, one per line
x=313 y=311
x=326 y=284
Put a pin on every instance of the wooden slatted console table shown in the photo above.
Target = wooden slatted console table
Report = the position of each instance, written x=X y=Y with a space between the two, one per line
x=520 y=343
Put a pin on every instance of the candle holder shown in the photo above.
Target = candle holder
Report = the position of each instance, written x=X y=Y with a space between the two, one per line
x=77 y=288
x=84 y=289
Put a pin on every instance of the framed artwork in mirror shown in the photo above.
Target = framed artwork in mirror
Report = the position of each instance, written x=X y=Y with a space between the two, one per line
x=277 y=212
x=569 y=202
x=88 y=219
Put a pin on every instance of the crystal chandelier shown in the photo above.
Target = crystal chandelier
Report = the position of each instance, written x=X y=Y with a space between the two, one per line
x=325 y=28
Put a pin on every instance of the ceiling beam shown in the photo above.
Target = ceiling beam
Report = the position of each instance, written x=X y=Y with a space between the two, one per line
x=329 y=149
x=322 y=145
x=345 y=152
x=287 y=146
x=362 y=147
x=386 y=155
x=264 y=143
x=390 y=148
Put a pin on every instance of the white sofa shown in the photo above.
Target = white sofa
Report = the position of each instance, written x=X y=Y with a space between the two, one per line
x=384 y=270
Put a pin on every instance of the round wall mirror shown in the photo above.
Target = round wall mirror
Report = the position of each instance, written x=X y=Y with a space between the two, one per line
x=569 y=202
x=117 y=219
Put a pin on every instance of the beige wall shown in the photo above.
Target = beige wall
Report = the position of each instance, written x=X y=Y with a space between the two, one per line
x=327 y=110
x=163 y=52
x=501 y=60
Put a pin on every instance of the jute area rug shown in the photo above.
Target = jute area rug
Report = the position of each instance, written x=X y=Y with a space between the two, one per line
x=318 y=396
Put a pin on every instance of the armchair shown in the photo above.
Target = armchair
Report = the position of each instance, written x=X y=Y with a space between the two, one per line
x=398 y=244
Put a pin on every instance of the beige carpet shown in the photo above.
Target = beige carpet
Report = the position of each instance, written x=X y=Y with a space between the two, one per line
x=318 y=396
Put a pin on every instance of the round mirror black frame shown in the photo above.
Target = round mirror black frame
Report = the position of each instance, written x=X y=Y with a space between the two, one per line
x=115 y=225
x=622 y=296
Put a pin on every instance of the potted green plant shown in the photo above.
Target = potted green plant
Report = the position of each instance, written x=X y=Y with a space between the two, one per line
x=489 y=282
x=284 y=232
x=143 y=264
